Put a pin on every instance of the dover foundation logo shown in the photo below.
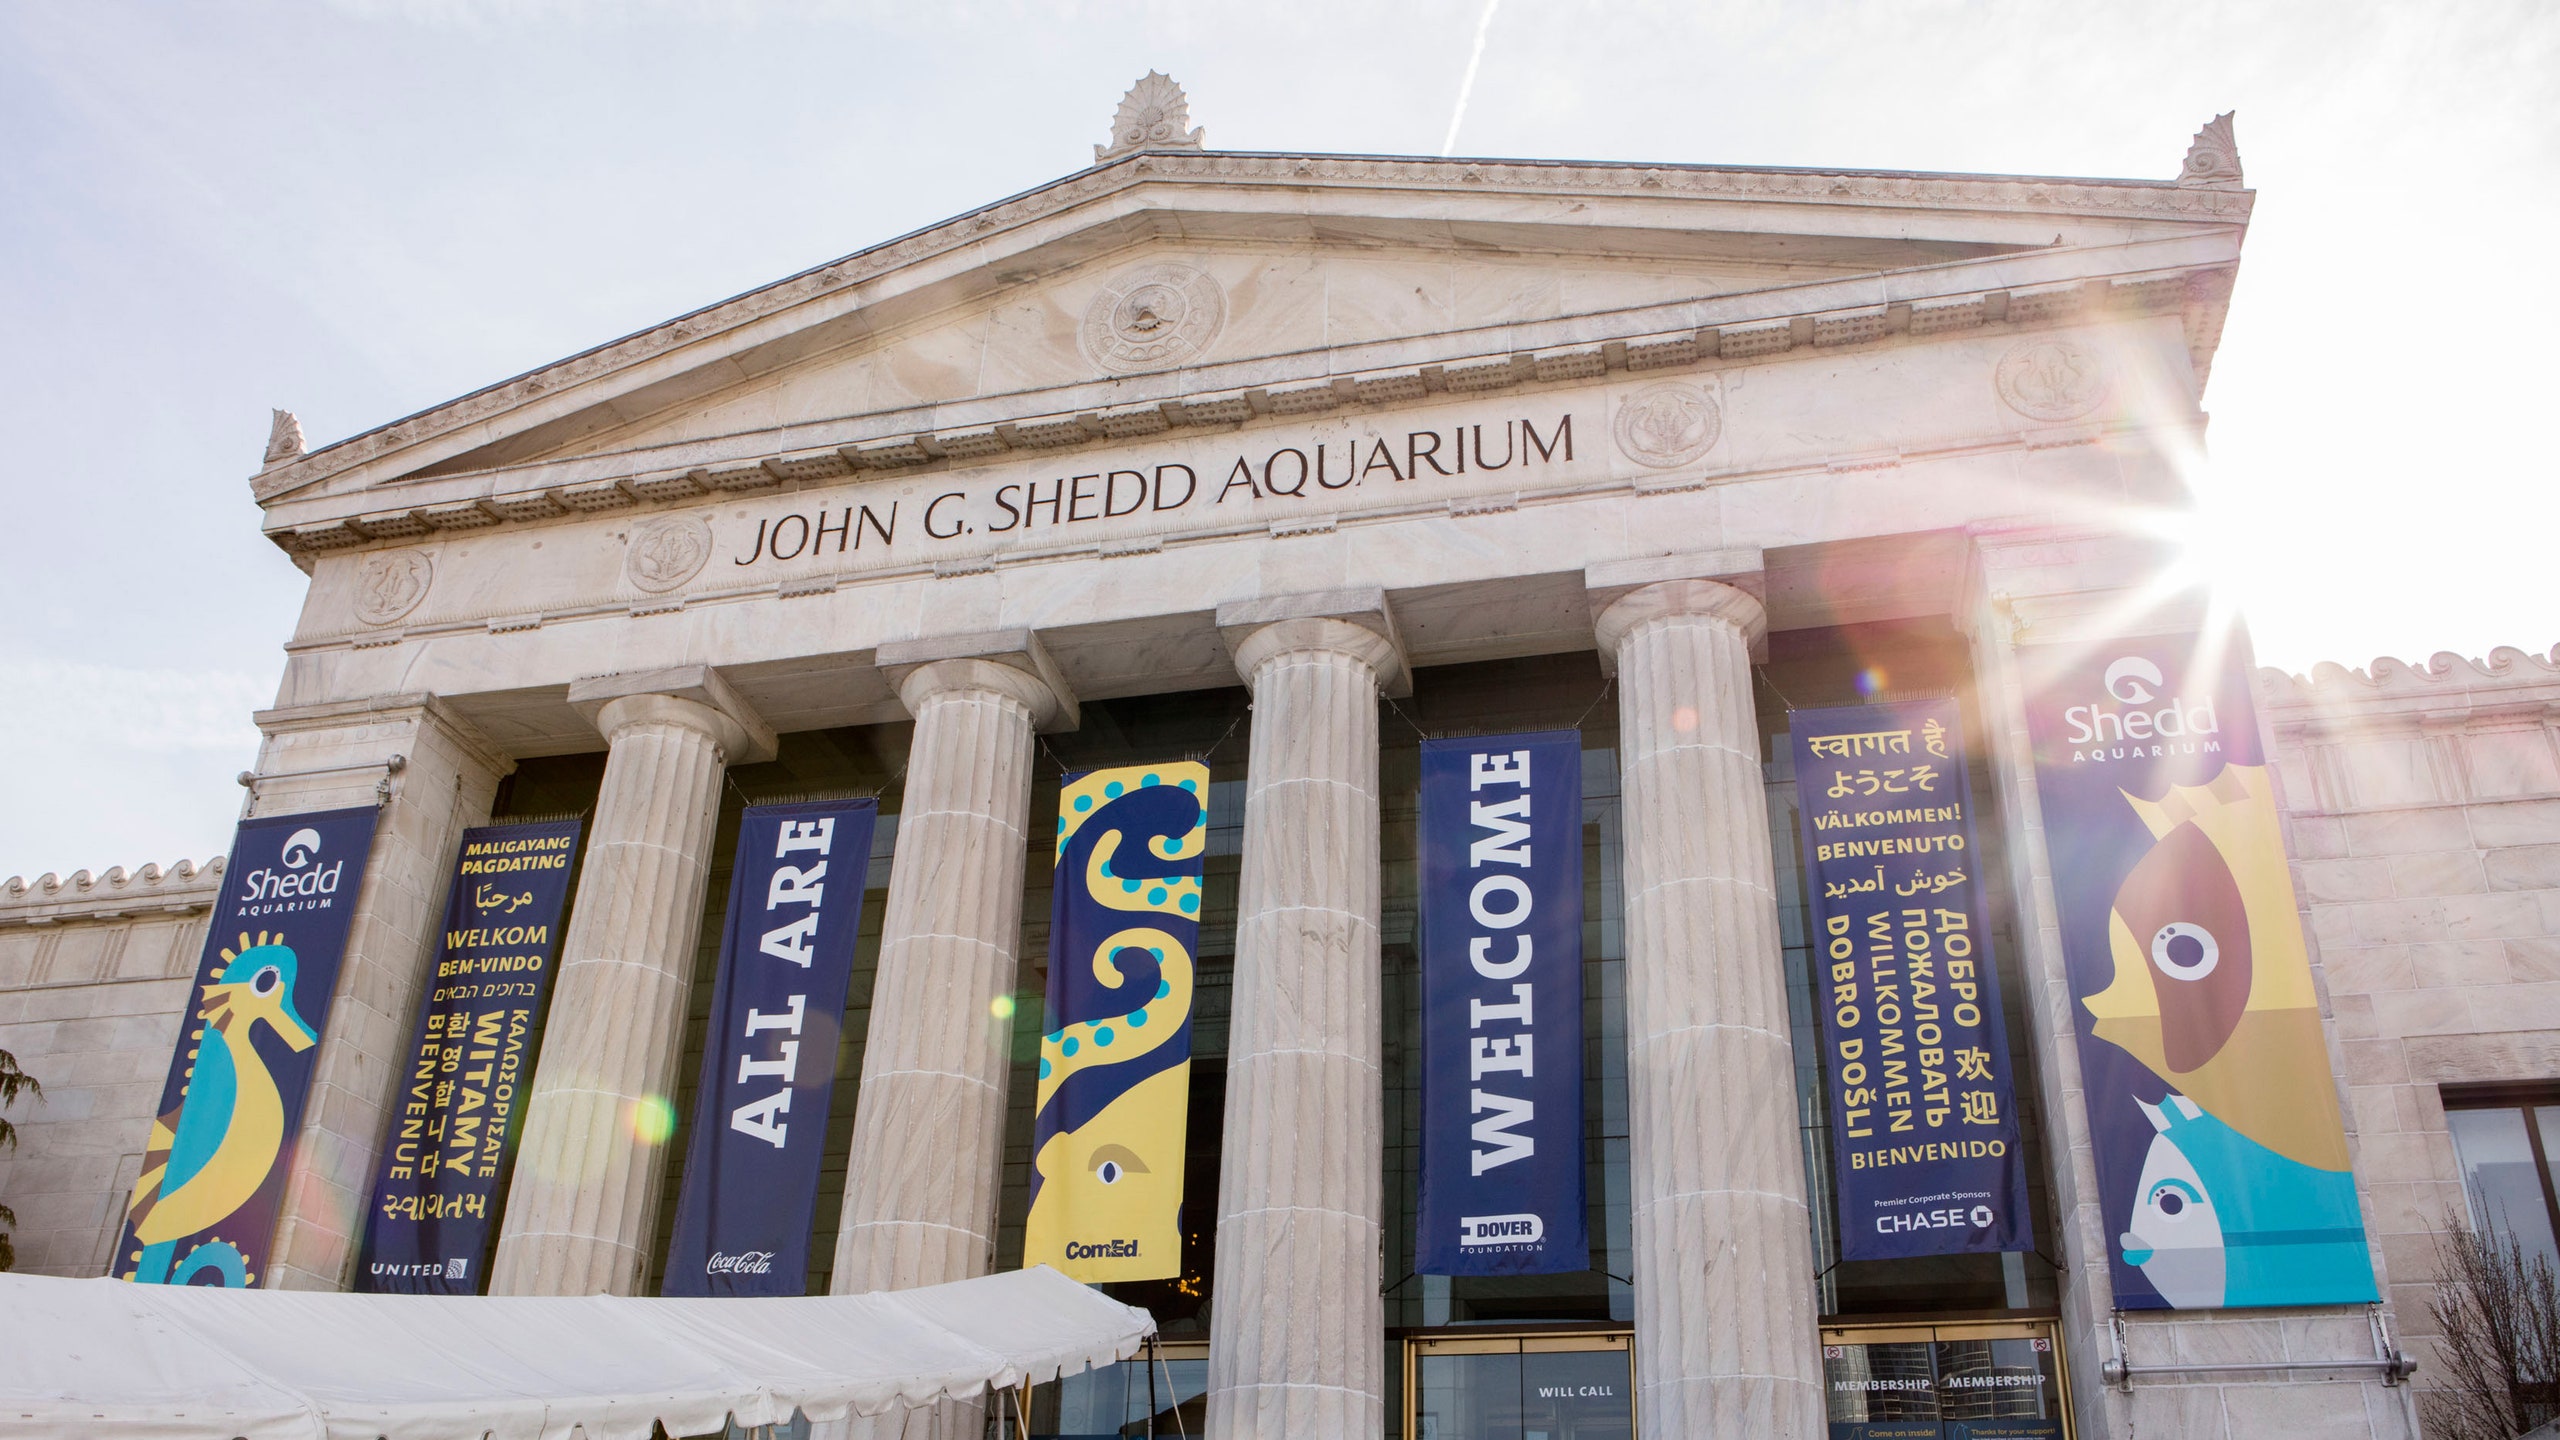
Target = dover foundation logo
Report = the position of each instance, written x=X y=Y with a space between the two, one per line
x=1508 y=1232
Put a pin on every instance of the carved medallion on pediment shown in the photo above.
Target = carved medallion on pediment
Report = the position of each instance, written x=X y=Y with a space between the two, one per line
x=1668 y=424
x=391 y=584
x=2051 y=378
x=665 y=553
x=1153 y=317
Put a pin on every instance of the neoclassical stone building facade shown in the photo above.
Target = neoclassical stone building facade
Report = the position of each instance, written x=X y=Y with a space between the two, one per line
x=1362 y=449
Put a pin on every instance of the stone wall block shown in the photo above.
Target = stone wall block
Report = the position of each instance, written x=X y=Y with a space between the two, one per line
x=925 y=1169
x=1294 y=1346
x=2522 y=867
x=2514 y=823
x=583 y=1205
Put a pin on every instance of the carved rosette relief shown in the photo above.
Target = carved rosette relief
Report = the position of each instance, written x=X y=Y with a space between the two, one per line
x=2051 y=378
x=391 y=584
x=1668 y=424
x=665 y=553
x=1153 y=317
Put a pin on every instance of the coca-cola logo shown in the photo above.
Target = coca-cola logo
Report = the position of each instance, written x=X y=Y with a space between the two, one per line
x=746 y=1262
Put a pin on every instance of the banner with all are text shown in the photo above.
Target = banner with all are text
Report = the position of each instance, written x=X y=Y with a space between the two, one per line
x=1501 y=938
x=213 y=1171
x=769 y=1056
x=470 y=1062
x=1924 y=1123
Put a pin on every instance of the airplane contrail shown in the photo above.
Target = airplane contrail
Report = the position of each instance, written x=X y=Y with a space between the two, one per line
x=1467 y=86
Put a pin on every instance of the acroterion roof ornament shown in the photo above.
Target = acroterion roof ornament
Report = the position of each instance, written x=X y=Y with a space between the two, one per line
x=1154 y=115
x=284 y=438
x=2213 y=157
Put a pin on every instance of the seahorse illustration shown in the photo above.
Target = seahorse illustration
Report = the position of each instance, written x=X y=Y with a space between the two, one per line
x=1115 y=1068
x=212 y=1152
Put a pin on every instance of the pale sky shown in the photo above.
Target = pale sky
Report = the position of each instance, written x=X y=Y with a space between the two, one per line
x=358 y=210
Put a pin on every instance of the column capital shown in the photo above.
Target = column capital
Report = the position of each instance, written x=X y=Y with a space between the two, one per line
x=695 y=696
x=2071 y=582
x=1626 y=595
x=1009 y=662
x=1354 y=621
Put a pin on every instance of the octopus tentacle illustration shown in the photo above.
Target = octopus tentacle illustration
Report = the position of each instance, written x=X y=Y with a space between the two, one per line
x=1115 y=1066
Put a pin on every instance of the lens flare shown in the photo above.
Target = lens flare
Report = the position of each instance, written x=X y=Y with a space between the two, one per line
x=1001 y=1007
x=653 y=1119
x=1872 y=682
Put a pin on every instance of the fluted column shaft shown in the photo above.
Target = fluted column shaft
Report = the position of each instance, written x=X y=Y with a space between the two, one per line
x=928 y=1132
x=1725 y=1325
x=927 y=1164
x=1297 y=1333
x=583 y=1205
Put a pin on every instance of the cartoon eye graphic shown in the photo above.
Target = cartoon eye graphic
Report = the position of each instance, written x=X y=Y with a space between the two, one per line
x=2172 y=1198
x=2185 y=924
x=267 y=982
x=1111 y=1162
x=2185 y=951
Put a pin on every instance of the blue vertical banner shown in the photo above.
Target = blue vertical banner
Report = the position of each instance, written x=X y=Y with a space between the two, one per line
x=1924 y=1118
x=769 y=1057
x=1501 y=938
x=2221 y=1154
x=1113 y=1105
x=470 y=1061
x=213 y=1174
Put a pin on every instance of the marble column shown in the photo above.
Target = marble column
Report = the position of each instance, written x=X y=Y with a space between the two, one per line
x=927 y=1162
x=1297 y=1338
x=583 y=1206
x=321 y=757
x=926 y=1167
x=1725 y=1306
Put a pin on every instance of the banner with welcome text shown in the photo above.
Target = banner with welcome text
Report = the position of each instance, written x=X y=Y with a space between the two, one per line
x=1502 y=1188
x=470 y=1061
x=1924 y=1117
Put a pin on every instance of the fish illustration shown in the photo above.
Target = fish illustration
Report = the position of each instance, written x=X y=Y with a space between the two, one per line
x=2212 y=988
x=2219 y=1219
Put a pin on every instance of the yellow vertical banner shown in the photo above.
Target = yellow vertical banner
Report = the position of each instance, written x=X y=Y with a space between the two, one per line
x=1115 y=1060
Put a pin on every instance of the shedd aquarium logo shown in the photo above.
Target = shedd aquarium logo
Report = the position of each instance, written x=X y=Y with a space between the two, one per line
x=2136 y=721
x=1501 y=1232
x=303 y=884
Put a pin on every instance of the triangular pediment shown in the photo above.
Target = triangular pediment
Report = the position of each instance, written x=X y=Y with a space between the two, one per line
x=1167 y=303
x=1159 y=276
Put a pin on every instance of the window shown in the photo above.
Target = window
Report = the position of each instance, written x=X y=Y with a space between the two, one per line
x=2504 y=1146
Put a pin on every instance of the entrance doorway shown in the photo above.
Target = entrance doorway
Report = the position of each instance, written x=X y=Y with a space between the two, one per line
x=1994 y=1380
x=1544 y=1386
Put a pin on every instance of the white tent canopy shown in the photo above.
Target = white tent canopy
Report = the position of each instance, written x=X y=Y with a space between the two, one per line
x=107 y=1358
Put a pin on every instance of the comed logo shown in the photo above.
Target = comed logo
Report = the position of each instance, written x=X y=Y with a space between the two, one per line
x=1475 y=1230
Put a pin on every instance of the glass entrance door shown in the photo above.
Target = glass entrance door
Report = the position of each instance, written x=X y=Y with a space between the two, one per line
x=1992 y=1381
x=1520 y=1387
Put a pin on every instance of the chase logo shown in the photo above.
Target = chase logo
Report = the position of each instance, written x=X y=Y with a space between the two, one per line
x=2133 y=680
x=1978 y=1218
x=1476 y=1230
